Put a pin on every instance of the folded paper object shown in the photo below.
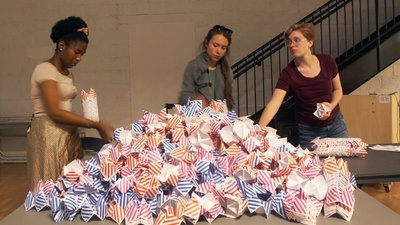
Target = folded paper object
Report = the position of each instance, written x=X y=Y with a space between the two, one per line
x=321 y=110
x=349 y=147
x=89 y=105
x=173 y=169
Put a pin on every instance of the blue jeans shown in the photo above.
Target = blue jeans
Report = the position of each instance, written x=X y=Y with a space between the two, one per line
x=307 y=133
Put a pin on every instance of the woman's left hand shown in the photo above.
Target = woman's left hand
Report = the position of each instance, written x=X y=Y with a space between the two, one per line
x=105 y=130
x=328 y=111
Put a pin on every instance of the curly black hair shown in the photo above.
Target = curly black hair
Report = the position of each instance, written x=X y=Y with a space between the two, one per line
x=67 y=30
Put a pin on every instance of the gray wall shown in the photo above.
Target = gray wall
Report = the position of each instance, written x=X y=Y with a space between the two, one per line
x=385 y=83
x=138 y=49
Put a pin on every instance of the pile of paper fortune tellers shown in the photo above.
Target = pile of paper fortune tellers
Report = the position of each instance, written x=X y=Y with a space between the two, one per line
x=347 y=147
x=197 y=164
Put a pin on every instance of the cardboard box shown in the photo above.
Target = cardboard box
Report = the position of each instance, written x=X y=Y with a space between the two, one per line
x=374 y=118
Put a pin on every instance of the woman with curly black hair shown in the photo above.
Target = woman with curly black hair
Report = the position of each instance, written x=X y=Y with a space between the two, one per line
x=53 y=138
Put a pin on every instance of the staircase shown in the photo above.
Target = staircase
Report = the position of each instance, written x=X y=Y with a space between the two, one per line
x=362 y=35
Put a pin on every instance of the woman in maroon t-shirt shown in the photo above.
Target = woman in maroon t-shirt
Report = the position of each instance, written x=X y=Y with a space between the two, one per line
x=311 y=79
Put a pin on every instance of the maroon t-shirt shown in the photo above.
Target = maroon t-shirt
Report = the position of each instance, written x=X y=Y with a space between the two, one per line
x=307 y=92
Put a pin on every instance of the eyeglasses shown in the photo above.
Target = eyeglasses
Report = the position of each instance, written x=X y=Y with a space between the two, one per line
x=222 y=29
x=295 y=41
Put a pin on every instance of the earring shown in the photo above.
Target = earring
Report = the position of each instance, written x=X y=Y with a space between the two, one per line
x=61 y=49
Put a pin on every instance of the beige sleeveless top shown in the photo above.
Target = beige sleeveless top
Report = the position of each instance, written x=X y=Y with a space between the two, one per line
x=67 y=91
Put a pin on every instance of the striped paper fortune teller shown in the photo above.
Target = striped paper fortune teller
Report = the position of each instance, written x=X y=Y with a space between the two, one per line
x=89 y=105
x=182 y=167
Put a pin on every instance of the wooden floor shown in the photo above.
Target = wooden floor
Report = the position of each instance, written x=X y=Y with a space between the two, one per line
x=13 y=190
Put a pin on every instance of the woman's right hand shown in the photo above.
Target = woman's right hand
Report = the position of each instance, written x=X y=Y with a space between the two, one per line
x=197 y=96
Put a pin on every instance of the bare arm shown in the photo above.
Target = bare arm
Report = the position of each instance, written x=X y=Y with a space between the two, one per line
x=336 y=96
x=337 y=91
x=272 y=107
x=51 y=99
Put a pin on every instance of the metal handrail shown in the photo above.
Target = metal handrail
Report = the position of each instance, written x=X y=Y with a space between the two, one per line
x=278 y=42
x=346 y=29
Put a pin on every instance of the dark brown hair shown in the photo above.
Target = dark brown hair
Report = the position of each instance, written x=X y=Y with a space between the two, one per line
x=227 y=33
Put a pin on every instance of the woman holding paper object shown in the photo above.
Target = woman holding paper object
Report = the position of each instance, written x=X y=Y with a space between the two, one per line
x=208 y=76
x=313 y=80
x=53 y=138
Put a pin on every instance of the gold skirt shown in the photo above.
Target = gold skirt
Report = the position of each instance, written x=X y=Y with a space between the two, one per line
x=51 y=146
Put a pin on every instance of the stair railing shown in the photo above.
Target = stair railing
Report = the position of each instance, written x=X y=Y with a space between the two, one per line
x=345 y=28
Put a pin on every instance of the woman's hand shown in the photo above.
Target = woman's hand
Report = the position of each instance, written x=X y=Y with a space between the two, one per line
x=105 y=131
x=197 y=96
x=327 y=114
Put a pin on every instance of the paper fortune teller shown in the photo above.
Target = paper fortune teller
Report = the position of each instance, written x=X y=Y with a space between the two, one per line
x=89 y=105
x=321 y=110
